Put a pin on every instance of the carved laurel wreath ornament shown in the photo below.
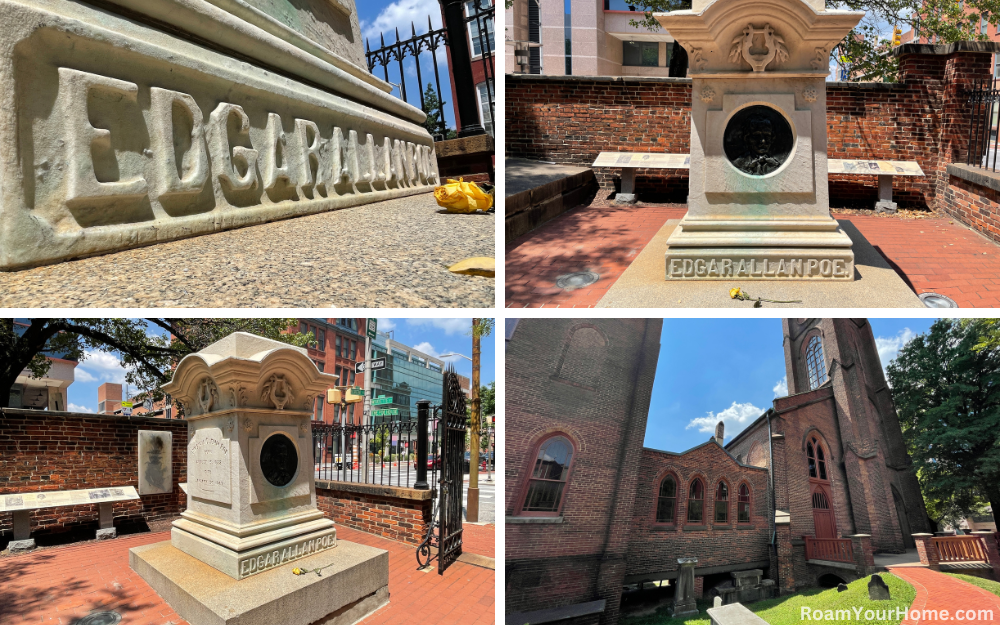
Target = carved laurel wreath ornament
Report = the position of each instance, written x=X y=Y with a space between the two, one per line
x=773 y=42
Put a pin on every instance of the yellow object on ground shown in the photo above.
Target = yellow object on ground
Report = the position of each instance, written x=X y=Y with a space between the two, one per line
x=463 y=197
x=477 y=266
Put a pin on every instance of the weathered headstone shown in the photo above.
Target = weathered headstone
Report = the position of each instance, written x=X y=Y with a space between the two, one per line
x=156 y=474
x=841 y=587
x=149 y=120
x=877 y=590
x=758 y=206
x=684 y=602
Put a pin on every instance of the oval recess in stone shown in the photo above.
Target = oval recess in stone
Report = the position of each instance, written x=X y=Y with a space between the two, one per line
x=758 y=140
x=279 y=460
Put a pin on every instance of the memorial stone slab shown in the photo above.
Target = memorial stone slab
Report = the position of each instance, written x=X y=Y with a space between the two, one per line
x=684 y=601
x=125 y=130
x=877 y=589
x=156 y=474
x=758 y=207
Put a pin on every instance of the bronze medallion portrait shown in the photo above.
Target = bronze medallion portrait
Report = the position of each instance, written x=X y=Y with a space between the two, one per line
x=279 y=460
x=758 y=140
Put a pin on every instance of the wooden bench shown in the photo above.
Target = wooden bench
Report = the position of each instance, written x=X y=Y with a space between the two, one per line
x=630 y=161
x=20 y=506
x=885 y=170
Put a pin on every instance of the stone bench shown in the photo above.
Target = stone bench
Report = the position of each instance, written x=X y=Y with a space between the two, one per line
x=630 y=161
x=885 y=170
x=20 y=506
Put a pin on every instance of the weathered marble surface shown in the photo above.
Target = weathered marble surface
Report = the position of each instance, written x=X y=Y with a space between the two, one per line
x=156 y=469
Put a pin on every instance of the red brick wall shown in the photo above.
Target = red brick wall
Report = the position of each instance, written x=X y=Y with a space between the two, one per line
x=654 y=548
x=922 y=118
x=974 y=205
x=396 y=518
x=43 y=450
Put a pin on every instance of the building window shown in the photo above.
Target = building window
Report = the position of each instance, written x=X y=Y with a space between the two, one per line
x=815 y=364
x=696 y=502
x=321 y=340
x=547 y=484
x=337 y=344
x=340 y=377
x=722 y=503
x=354 y=350
x=817 y=459
x=319 y=408
x=666 y=502
x=820 y=501
x=743 y=505
x=485 y=91
x=320 y=365
x=303 y=328
x=479 y=45
x=640 y=53
x=982 y=24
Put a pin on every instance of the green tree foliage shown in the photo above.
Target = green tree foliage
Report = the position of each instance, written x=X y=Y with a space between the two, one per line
x=947 y=393
x=865 y=53
x=148 y=357
x=432 y=106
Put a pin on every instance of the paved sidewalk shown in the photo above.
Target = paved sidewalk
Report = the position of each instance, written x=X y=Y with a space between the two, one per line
x=931 y=254
x=392 y=254
x=58 y=585
x=936 y=591
x=479 y=539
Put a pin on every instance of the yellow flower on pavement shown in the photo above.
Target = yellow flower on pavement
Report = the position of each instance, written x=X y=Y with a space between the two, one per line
x=458 y=196
x=297 y=571
x=734 y=293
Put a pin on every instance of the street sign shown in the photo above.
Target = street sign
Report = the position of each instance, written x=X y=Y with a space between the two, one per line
x=386 y=412
x=381 y=401
x=127 y=404
x=359 y=367
x=378 y=363
x=127 y=411
x=372 y=328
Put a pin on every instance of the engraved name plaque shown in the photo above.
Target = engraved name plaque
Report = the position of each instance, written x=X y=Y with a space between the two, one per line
x=209 y=465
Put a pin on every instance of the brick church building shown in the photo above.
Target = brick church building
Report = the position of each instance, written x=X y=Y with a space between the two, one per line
x=812 y=489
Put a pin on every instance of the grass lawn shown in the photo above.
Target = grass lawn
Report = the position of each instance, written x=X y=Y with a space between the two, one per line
x=787 y=610
x=986 y=584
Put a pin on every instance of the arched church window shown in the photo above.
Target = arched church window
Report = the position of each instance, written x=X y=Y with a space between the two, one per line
x=821 y=461
x=547 y=484
x=743 y=505
x=817 y=459
x=820 y=501
x=811 y=454
x=722 y=503
x=815 y=364
x=696 y=502
x=666 y=501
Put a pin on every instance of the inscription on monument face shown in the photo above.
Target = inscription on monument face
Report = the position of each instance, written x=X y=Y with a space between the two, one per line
x=279 y=460
x=795 y=268
x=758 y=140
x=155 y=462
x=209 y=465
x=294 y=551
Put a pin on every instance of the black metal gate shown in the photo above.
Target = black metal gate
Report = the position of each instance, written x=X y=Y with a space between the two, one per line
x=454 y=424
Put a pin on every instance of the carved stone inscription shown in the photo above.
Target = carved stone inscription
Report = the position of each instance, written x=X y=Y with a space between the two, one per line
x=791 y=267
x=758 y=140
x=209 y=465
x=287 y=553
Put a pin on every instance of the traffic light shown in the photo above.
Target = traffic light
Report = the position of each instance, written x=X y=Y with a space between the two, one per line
x=332 y=396
x=897 y=38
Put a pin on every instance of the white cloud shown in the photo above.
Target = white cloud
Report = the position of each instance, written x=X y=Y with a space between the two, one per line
x=888 y=348
x=74 y=408
x=450 y=326
x=426 y=348
x=781 y=387
x=384 y=325
x=399 y=15
x=736 y=417
x=81 y=375
x=100 y=366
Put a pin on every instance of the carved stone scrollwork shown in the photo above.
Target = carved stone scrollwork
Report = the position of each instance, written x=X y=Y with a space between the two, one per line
x=822 y=59
x=773 y=42
x=247 y=424
x=237 y=396
x=208 y=395
x=277 y=391
x=697 y=60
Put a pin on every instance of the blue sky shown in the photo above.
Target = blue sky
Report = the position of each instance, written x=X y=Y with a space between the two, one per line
x=731 y=369
x=431 y=336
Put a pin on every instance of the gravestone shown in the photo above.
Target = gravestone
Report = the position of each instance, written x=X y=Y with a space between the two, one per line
x=145 y=121
x=758 y=206
x=684 y=602
x=251 y=514
x=877 y=590
x=156 y=473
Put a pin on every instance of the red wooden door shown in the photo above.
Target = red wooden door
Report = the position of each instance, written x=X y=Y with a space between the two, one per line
x=826 y=526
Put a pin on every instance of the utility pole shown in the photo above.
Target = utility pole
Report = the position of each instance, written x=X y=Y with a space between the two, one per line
x=367 y=410
x=472 y=510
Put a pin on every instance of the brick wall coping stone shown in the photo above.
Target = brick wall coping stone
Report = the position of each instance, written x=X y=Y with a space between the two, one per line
x=546 y=77
x=836 y=565
x=555 y=614
x=26 y=412
x=866 y=86
x=975 y=175
x=947 y=48
x=375 y=489
x=533 y=519
x=699 y=571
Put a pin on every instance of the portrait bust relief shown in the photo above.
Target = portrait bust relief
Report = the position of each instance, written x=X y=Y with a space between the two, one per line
x=758 y=140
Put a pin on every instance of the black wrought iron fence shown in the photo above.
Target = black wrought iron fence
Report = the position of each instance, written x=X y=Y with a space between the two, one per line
x=984 y=106
x=479 y=21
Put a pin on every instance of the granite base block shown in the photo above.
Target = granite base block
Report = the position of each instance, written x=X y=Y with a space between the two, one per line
x=353 y=583
x=242 y=564
x=21 y=546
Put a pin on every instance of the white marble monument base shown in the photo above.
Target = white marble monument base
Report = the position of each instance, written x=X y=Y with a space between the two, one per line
x=354 y=582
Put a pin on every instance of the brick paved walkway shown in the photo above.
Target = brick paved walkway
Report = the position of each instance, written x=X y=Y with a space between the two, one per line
x=479 y=539
x=936 y=591
x=932 y=254
x=58 y=585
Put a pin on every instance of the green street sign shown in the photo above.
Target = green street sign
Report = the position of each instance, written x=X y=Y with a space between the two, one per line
x=372 y=328
x=126 y=404
x=357 y=390
x=386 y=412
x=381 y=401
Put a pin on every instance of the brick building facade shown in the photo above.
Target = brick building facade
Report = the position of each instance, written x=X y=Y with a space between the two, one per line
x=589 y=510
x=340 y=345
x=923 y=117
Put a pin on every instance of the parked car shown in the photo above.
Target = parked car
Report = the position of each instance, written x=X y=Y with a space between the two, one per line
x=433 y=460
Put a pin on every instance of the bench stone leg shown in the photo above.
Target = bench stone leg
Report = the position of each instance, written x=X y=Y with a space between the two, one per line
x=885 y=203
x=627 y=194
x=22 y=532
x=106 y=519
